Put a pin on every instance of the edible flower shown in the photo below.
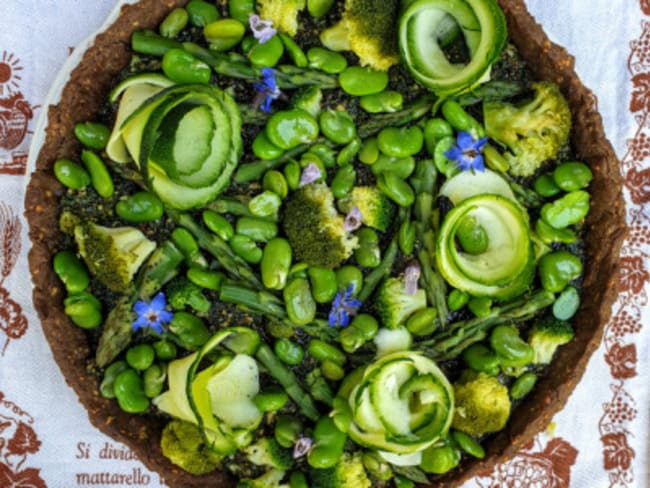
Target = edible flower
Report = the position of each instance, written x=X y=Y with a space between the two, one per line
x=262 y=29
x=352 y=220
x=267 y=90
x=468 y=152
x=310 y=174
x=152 y=315
x=344 y=306
x=302 y=446
x=411 y=277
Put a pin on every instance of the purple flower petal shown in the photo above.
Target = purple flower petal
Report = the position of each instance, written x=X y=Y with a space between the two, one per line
x=302 y=447
x=310 y=174
x=262 y=29
x=411 y=278
x=352 y=220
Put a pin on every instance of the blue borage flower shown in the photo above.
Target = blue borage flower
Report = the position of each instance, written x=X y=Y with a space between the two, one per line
x=262 y=29
x=468 y=152
x=344 y=306
x=267 y=90
x=152 y=315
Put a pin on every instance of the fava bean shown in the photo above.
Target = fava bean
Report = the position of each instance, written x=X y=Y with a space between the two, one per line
x=557 y=269
x=468 y=444
x=140 y=357
x=92 y=134
x=165 y=350
x=106 y=387
x=386 y=101
x=256 y=229
x=457 y=299
x=396 y=189
x=190 y=330
x=174 y=23
x=347 y=276
x=368 y=253
x=318 y=8
x=266 y=55
x=423 y=322
x=326 y=60
x=300 y=305
x=224 y=34
x=218 y=224
x=332 y=371
x=480 y=306
x=439 y=460
x=292 y=173
x=495 y=160
x=99 y=175
x=338 y=126
x=241 y=9
x=71 y=271
x=270 y=400
x=360 y=81
x=210 y=280
x=402 y=482
x=435 y=130
x=323 y=284
x=445 y=165
x=566 y=211
x=376 y=465
x=275 y=182
x=276 y=261
x=406 y=237
x=287 y=430
x=322 y=351
x=70 y=174
x=400 y=142
x=343 y=181
x=366 y=324
x=264 y=149
x=369 y=152
x=310 y=158
x=290 y=128
x=84 y=310
x=129 y=391
x=402 y=167
x=140 y=207
x=472 y=236
x=182 y=67
x=266 y=204
x=329 y=442
x=296 y=53
x=153 y=380
x=572 y=176
x=549 y=235
x=481 y=359
x=297 y=479
x=325 y=153
x=511 y=349
x=459 y=119
x=289 y=352
x=299 y=270
x=523 y=385
x=566 y=305
x=349 y=152
x=545 y=186
x=309 y=99
x=201 y=13
x=351 y=339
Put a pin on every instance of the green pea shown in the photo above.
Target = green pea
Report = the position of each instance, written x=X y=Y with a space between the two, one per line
x=224 y=34
x=459 y=119
x=557 y=269
x=318 y=8
x=165 y=350
x=106 y=387
x=322 y=351
x=567 y=303
x=325 y=153
x=400 y=142
x=174 y=23
x=300 y=305
x=140 y=357
x=523 y=385
x=297 y=479
x=332 y=371
x=343 y=181
x=188 y=246
x=328 y=444
x=445 y=165
x=287 y=430
x=511 y=349
x=290 y=128
x=71 y=174
x=296 y=53
x=472 y=236
x=468 y=444
x=439 y=460
x=92 y=134
x=572 y=176
x=434 y=131
x=256 y=229
x=326 y=60
x=396 y=189
x=266 y=55
x=338 y=126
x=457 y=299
x=241 y=9
x=480 y=306
x=368 y=253
x=323 y=284
x=566 y=211
x=71 y=271
x=366 y=324
x=129 y=391
x=423 y=322
x=99 y=175
x=549 y=235
x=274 y=181
x=386 y=101
x=266 y=204
x=271 y=400
x=210 y=280
x=360 y=81
x=292 y=173
x=218 y=224
x=84 y=310
x=347 y=276
x=406 y=237
x=276 y=262
x=140 y=207
x=402 y=167
x=482 y=359
x=182 y=67
x=349 y=152
x=369 y=152
x=545 y=186
x=153 y=380
x=201 y=13
x=289 y=352
x=264 y=149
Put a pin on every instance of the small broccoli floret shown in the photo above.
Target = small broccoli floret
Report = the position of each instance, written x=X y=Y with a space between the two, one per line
x=113 y=255
x=481 y=405
x=395 y=305
x=376 y=208
x=182 y=293
x=270 y=479
x=315 y=229
x=267 y=452
x=283 y=13
x=349 y=472
x=183 y=445
x=534 y=131
x=546 y=336
x=369 y=29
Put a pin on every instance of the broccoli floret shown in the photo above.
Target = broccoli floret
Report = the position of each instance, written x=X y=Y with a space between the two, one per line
x=183 y=445
x=315 y=229
x=283 y=13
x=113 y=255
x=270 y=479
x=395 y=305
x=182 y=293
x=349 y=472
x=534 y=131
x=369 y=29
x=546 y=336
x=267 y=452
x=481 y=405
x=376 y=208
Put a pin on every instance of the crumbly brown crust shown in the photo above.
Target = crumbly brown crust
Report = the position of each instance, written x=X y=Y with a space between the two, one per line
x=81 y=100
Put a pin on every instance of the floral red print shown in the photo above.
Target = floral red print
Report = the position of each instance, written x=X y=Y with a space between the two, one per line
x=633 y=274
x=622 y=361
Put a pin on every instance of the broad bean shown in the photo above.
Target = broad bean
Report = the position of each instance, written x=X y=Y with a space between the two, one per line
x=318 y=8
x=439 y=460
x=153 y=380
x=406 y=237
x=338 y=126
x=482 y=359
x=347 y=276
x=92 y=134
x=190 y=330
x=557 y=269
x=296 y=53
x=459 y=119
x=71 y=271
x=99 y=175
x=400 y=142
x=326 y=60
x=201 y=13
x=287 y=430
x=174 y=23
x=423 y=322
x=289 y=352
x=290 y=128
x=472 y=236
x=369 y=152
x=323 y=351
x=566 y=211
x=523 y=385
x=266 y=204
x=275 y=182
x=182 y=67
x=224 y=34
x=343 y=181
x=402 y=167
x=349 y=152
x=106 y=387
x=510 y=348
x=264 y=149
x=549 y=235
x=468 y=444
x=323 y=284
x=258 y=230
x=129 y=392
x=241 y=9
x=165 y=350
x=270 y=400
x=329 y=442
x=572 y=176
x=210 y=280
x=480 y=306
x=567 y=303
x=435 y=130
x=70 y=174
x=457 y=299
x=140 y=207
x=218 y=224
x=396 y=189
x=359 y=81
x=276 y=262
x=386 y=101
x=368 y=253
x=300 y=305
x=266 y=55
x=545 y=185
x=140 y=356
x=84 y=310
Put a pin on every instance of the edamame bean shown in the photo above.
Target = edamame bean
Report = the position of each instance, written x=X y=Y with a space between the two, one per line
x=343 y=181
x=328 y=444
x=481 y=359
x=369 y=152
x=511 y=349
x=459 y=119
x=140 y=357
x=270 y=400
x=468 y=444
x=300 y=305
x=523 y=386
x=396 y=189
x=92 y=134
x=218 y=224
x=402 y=167
x=258 y=230
x=325 y=60
x=165 y=350
x=323 y=284
x=174 y=23
x=153 y=380
x=129 y=391
x=84 y=310
x=276 y=262
x=406 y=237
x=338 y=126
x=572 y=176
x=266 y=55
x=566 y=305
x=368 y=253
x=182 y=67
x=322 y=351
x=275 y=182
x=99 y=175
x=190 y=330
x=264 y=149
x=70 y=174
x=201 y=13
x=241 y=9
x=439 y=460
x=106 y=387
x=296 y=53
x=359 y=81
x=71 y=271
x=545 y=186
x=292 y=173
x=266 y=204
x=557 y=269
x=289 y=352
x=224 y=34
x=210 y=280
x=400 y=142
x=386 y=101
x=287 y=429
x=318 y=8
x=140 y=207
x=457 y=299
x=566 y=211
x=435 y=130
x=349 y=152
x=290 y=128
x=347 y=276
x=480 y=306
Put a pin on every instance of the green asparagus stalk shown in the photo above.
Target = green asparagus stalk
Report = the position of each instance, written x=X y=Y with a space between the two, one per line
x=416 y=110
